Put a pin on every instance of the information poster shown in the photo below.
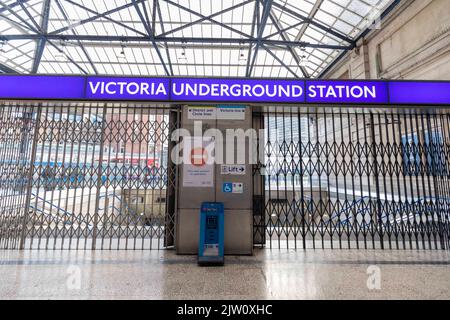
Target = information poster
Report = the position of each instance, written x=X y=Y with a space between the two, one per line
x=198 y=162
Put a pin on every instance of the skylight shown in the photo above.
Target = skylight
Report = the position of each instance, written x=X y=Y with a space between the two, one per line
x=230 y=38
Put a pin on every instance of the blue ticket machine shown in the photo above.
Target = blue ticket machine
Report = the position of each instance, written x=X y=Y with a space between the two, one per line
x=210 y=247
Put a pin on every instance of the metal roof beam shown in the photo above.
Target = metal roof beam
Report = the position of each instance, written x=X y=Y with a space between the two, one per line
x=280 y=61
x=171 y=45
x=6 y=69
x=151 y=34
x=325 y=28
x=147 y=19
x=98 y=16
x=66 y=18
x=290 y=49
x=311 y=16
x=206 y=18
x=15 y=24
x=9 y=9
x=24 y=8
x=67 y=56
x=173 y=39
x=12 y=5
x=254 y=26
x=158 y=9
x=41 y=42
x=285 y=29
x=150 y=24
x=261 y=26
x=223 y=25
x=154 y=10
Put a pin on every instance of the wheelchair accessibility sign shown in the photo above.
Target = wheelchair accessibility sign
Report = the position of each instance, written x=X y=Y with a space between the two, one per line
x=233 y=187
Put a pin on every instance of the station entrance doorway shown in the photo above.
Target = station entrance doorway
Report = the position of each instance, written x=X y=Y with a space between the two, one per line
x=93 y=175
x=354 y=178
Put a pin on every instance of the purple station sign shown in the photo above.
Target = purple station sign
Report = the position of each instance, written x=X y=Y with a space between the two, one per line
x=422 y=93
x=103 y=88
x=225 y=90
x=237 y=90
x=41 y=87
x=347 y=92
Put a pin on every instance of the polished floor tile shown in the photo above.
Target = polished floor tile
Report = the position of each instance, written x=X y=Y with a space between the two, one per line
x=269 y=274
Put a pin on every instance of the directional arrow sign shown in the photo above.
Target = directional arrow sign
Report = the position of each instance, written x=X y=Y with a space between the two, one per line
x=234 y=169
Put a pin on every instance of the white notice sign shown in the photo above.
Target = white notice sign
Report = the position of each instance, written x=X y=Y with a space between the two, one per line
x=231 y=112
x=238 y=187
x=202 y=113
x=234 y=169
x=198 y=162
x=219 y=112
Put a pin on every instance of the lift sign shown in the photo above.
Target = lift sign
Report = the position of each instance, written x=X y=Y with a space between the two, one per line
x=238 y=169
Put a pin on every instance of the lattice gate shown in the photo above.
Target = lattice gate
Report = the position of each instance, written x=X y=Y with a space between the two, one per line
x=352 y=179
x=86 y=176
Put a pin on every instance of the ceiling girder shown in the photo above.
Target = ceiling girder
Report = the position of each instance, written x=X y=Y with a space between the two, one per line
x=6 y=69
x=260 y=27
x=80 y=44
x=40 y=46
x=33 y=30
x=172 y=40
x=206 y=18
x=313 y=22
x=223 y=25
x=146 y=22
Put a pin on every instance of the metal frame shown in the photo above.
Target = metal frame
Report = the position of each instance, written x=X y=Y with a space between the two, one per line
x=66 y=183
x=149 y=14
x=359 y=216
x=334 y=178
x=156 y=39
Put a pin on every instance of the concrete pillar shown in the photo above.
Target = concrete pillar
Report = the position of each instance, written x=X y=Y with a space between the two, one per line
x=238 y=207
x=359 y=62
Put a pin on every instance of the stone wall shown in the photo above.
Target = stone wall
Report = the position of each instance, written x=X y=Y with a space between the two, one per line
x=412 y=43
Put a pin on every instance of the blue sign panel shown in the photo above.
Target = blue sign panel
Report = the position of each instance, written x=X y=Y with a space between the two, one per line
x=41 y=87
x=237 y=90
x=227 y=187
x=362 y=92
x=152 y=89
x=422 y=93
x=216 y=90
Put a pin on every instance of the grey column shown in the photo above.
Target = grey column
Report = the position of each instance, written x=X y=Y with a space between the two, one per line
x=238 y=207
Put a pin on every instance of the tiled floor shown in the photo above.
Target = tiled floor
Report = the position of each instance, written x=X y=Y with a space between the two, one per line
x=268 y=274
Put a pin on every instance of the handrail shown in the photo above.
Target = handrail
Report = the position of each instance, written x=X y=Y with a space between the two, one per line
x=349 y=207
x=413 y=203
x=80 y=220
x=105 y=195
x=384 y=216
x=48 y=214
x=65 y=212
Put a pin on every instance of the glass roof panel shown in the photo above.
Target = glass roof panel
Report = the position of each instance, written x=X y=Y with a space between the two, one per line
x=245 y=38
